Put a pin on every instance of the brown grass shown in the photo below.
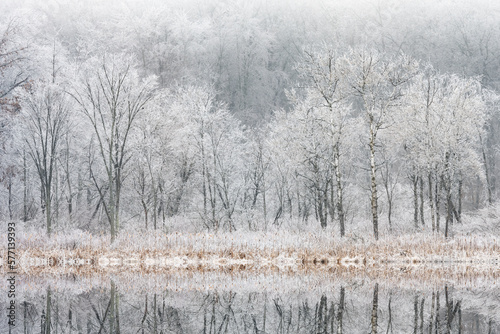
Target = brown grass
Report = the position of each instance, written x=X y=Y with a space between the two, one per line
x=425 y=256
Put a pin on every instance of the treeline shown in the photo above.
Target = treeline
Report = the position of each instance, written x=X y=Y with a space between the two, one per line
x=142 y=128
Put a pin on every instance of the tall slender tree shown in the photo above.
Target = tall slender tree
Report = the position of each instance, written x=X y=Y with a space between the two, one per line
x=376 y=82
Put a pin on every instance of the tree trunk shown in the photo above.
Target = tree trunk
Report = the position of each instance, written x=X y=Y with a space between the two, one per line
x=155 y=203
x=69 y=199
x=48 y=216
x=145 y=209
x=487 y=172
x=48 y=316
x=112 y=309
x=389 y=315
x=264 y=204
x=145 y=313
x=460 y=319
x=338 y=179
x=460 y=185
x=332 y=204
x=431 y=203
x=373 y=182
x=155 y=316
x=25 y=319
x=449 y=210
x=437 y=188
x=322 y=315
x=340 y=312
x=55 y=214
x=117 y=312
x=449 y=310
x=25 y=188
x=265 y=312
x=436 y=323
x=9 y=188
x=415 y=200
x=431 y=317
x=415 y=315
x=388 y=192
x=422 y=315
x=118 y=182
x=422 y=220
x=374 y=318
x=322 y=210
x=203 y=174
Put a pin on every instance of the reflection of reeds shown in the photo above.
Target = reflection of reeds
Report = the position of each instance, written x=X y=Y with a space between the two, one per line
x=424 y=256
x=272 y=279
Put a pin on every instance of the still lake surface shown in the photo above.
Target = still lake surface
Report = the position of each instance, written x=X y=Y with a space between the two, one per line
x=253 y=302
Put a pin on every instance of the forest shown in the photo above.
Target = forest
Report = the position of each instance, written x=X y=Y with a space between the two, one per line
x=362 y=119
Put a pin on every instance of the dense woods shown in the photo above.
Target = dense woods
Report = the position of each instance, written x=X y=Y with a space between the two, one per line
x=235 y=115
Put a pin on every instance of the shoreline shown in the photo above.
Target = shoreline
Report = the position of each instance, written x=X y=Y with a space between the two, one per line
x=251 y=251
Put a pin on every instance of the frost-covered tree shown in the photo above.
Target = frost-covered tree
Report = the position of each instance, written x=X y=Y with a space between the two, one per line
x=377 y=84
x=220 y=142
x=12 y=57
x=312 y=145
x=13 y=74
x=165 y=154
x=111 y=96
x=285 y=188
x=189 y=158
x=443 y=123
x=44 y=124
x=326 y=102
x=150 y=159
x=257 y=162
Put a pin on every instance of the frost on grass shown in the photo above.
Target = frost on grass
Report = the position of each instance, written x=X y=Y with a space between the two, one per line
x=158 y=251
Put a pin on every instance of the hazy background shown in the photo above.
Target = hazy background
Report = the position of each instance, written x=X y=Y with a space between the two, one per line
x=248 y=49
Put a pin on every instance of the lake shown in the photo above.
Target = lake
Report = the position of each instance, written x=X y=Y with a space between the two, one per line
x=247 y=301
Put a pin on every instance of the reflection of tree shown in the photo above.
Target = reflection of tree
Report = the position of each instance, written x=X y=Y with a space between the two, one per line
x=418 y=319
x=320 y=319
x=374 y=319
x=29 y=315
x=389 y=315
x=340 y=311
x=110 y=316
x=46 y=321
x=422 y=303
x=379 y=310
x=436 y=324
x=159 y=317
x=219 y=315
x=114 y=318
x=451 y=311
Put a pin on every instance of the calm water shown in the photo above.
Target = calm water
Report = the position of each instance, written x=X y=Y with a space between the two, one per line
x=252 y=304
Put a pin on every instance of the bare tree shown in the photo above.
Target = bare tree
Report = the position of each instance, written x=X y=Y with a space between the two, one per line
x=111 y=98
x=328 y=86
x=374 y=317
x=13 y=74
x=376 y=82
x=45 y=122
x=12 y=55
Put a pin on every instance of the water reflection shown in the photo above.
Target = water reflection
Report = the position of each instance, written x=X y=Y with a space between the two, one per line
x=355 y=308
